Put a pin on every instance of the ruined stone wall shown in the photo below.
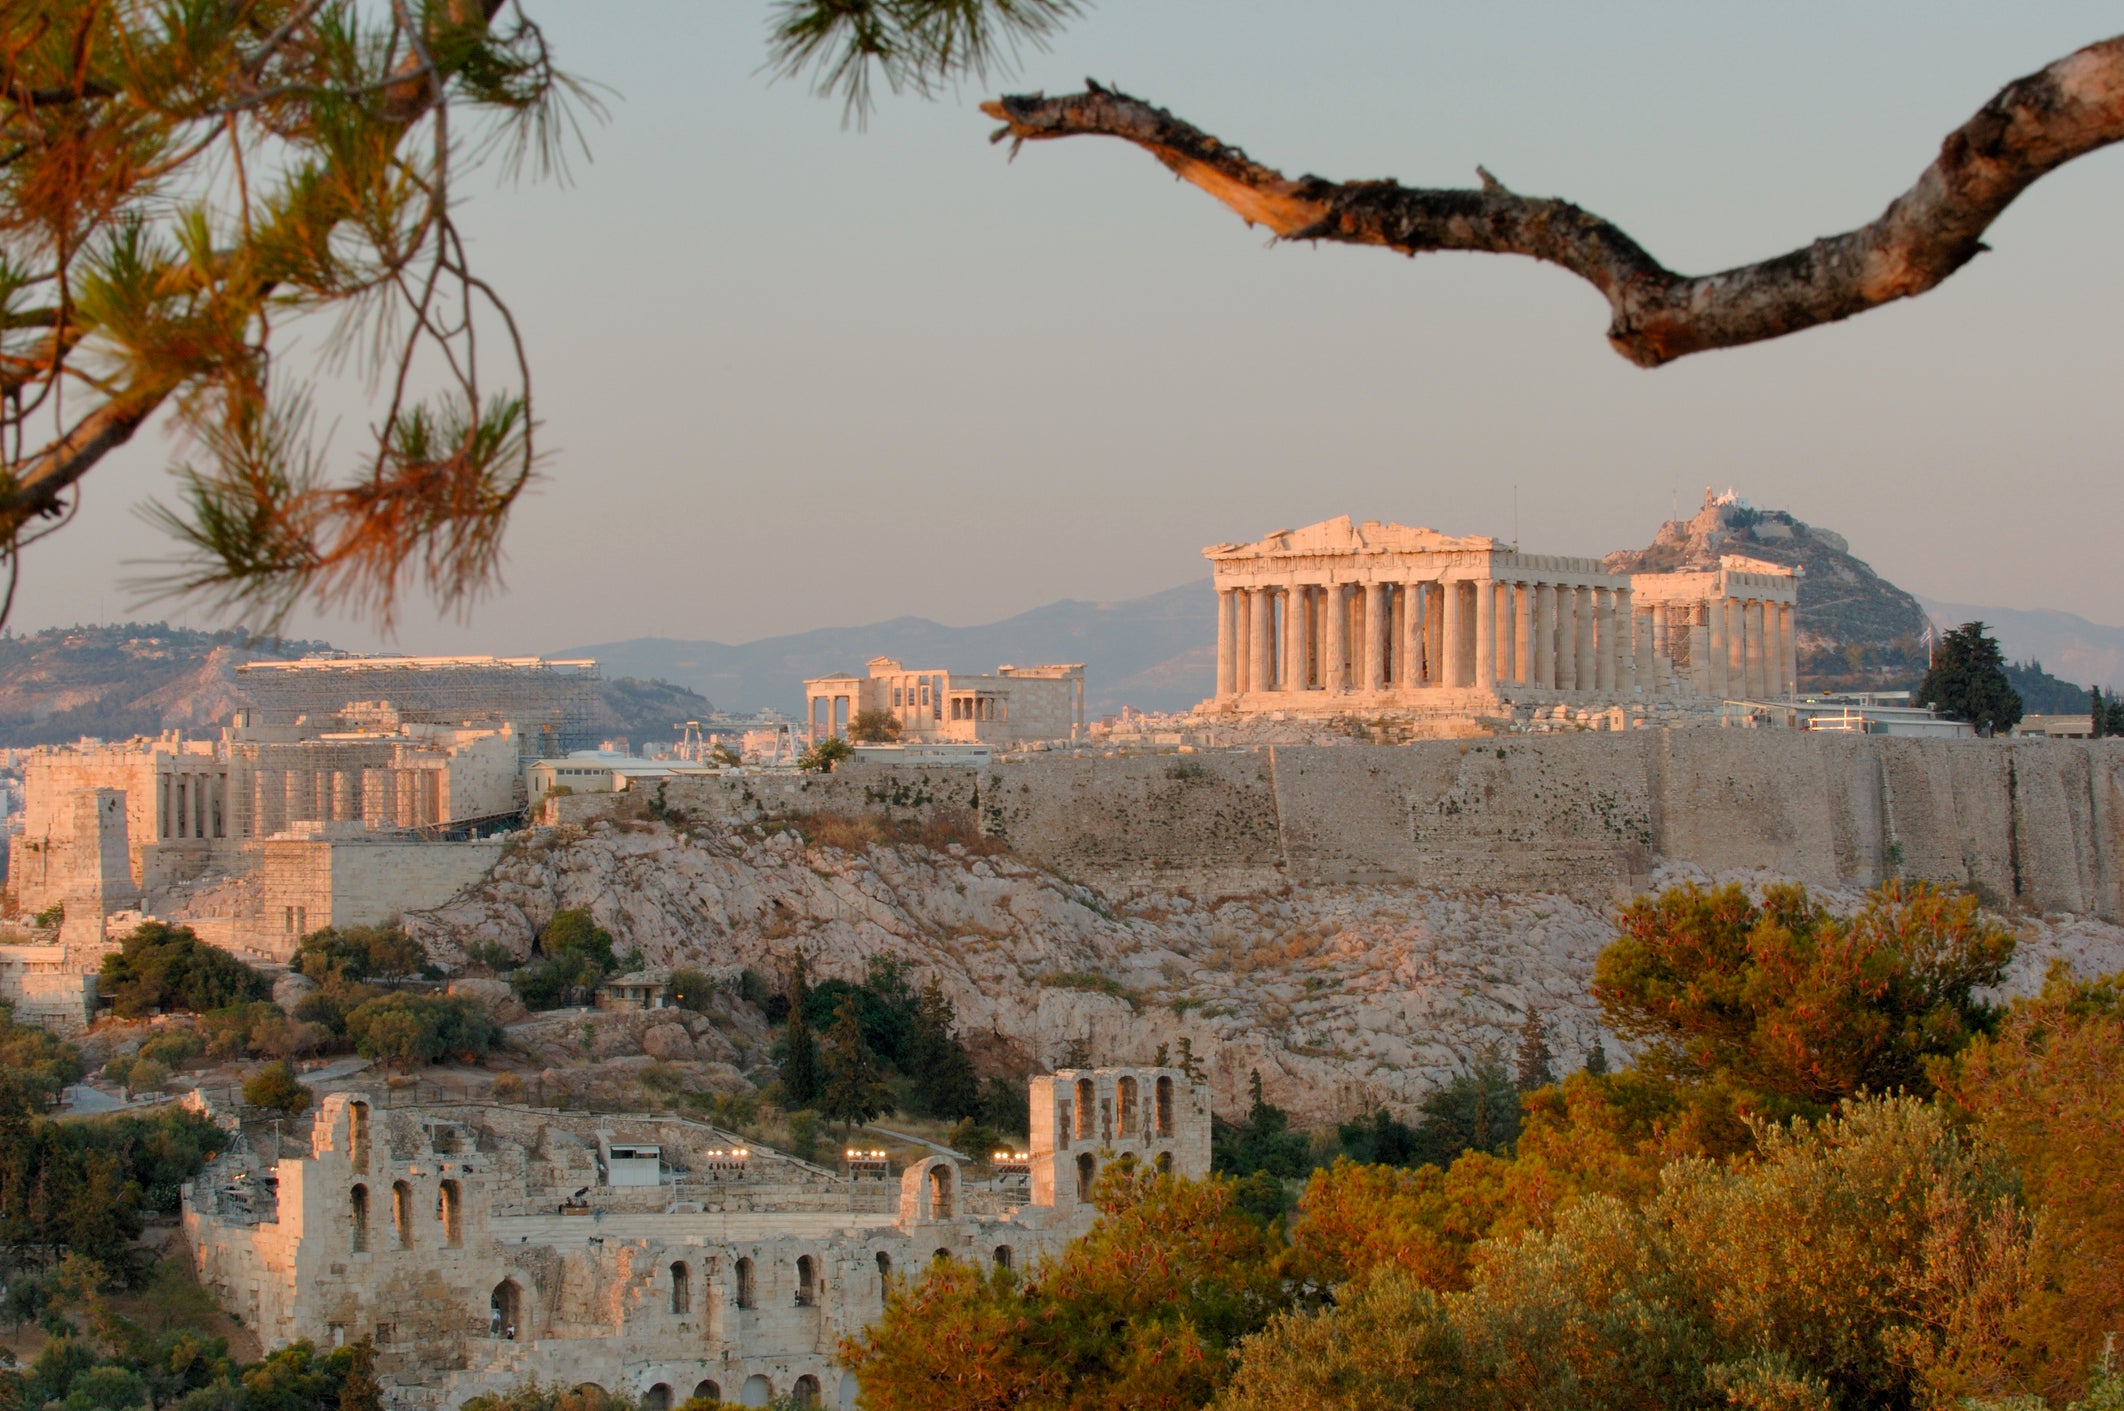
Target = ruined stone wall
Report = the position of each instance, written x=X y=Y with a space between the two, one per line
x=2039 y=822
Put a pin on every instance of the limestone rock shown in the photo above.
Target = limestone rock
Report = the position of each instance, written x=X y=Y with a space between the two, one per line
x=292 y=989
x=668 y=1042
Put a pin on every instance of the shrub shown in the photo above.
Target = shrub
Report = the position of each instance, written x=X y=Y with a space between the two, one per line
x=276 y=1087
x=162 y=967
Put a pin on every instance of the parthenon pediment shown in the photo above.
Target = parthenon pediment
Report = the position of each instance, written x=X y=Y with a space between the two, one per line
x=1342 y=535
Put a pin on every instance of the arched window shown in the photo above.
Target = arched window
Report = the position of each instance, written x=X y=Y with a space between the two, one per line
x=658 y=1398
x=1165 y=1107
x=707 y=1391
x=681 y=1288
x=358 y=1135
x=1086 y=1099
x=1002 y=1256
x=746 y=1298
x=940 y=1192
x=805 y=1392
x=807 y=1292
x=1127 y=1091
x=358 y=1211
x=402 y=1212
x=449 y=1208
x=757 y=1391
x=940 y=1257
x=884 y=1271
x=1165 y=1162
x=505 y=1309
x=1087 y=1172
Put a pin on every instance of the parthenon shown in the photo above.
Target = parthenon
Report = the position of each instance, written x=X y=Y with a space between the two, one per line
x=1341 y=617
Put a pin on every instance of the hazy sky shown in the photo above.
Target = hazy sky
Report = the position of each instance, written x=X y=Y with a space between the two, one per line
x=795 y=376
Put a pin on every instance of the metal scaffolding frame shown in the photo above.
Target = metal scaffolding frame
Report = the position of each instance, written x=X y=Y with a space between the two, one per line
x=553 y=705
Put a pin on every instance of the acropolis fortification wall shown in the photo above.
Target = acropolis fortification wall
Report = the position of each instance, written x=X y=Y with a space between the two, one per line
x=2038 y=822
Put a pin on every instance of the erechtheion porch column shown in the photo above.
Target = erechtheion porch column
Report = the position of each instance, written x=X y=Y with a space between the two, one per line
x=1227 y=650
x=1335 y=644
x=1260 y=648
x=1485 y=634
x=1545 y=636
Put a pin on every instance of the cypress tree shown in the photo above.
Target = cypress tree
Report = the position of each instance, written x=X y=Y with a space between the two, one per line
x=1596 y=1059
x=1535 y=1064
x=800 y=1070
x=1968 y=681
x=945 y=1085
x=855 y=1091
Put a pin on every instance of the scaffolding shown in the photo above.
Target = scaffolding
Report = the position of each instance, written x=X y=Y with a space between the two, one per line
x=553 y=705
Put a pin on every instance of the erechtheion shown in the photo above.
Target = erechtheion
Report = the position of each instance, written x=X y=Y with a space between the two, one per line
x=1014 y=705
x=483 y=1245
x=1386 y=619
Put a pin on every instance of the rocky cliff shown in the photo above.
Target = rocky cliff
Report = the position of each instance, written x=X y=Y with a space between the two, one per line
x=1365 y=975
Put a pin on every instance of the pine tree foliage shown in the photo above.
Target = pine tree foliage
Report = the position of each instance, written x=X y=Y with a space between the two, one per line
x=1968 y=681
x=195 y=196
x=800 y=1064
x=854 y=1090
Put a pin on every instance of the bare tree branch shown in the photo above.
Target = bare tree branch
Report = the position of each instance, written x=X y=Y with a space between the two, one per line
x=2032 y=126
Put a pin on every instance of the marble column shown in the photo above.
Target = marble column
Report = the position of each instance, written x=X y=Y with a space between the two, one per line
x=1625 y=643
x=1788 y=639
x=1456 y=631
x=1545 y=636
x=1485 y=635
x=1736 y=648
x=1566 y=638
x=1604 y=641
x=1587 y=623
x=1260 y=643
x=1378 y=621
x=1523 y=633
x=1334 y=644
x=1411 y=644
x=1434 y=634
x=1243 y=639
x=1297 y=643
x=1715 y=648
x=1643 y=670
x=1507 y=630
x=1227 y=648
x=1758 y=659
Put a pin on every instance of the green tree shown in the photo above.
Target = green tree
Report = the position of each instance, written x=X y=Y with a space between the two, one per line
x=572 y=957
x=1262 y=1142
x=821 y=757
x=1477 y=1111
x=35 y=1065
x=945 y=1084
x=276 y=1088
x=163 y=967
x=691 y=989
x=874 y=727
x=854 y=1090
x=800 y=1063
x=406 y=1030
x=1968 y=681
x=1534 y=1065
x=2098 y=714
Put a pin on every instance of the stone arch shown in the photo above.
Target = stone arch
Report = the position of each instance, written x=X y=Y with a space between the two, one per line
x=1165 y=1163
x=707 y=1391
x=807 y=1289
x=805 y=1392
x=657 y=1398
x=940 y=1257
x=1002 y=1256
x=358 y=1218
x=757 y=1391
x=929 y=1191
x=681 y=1287
x=940 y=1191
x=747 y=1291
x=1125 y=1100
x=450 y=1210
x=402 y=1212
x=1165 y=1107
x=1087 y=1174
x=1087 y=1102
x=505 y=1309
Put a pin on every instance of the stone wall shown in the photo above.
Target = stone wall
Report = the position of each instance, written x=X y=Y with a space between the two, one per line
x=2038 y=822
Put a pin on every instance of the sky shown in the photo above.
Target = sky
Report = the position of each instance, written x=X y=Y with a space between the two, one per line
x=793 y=375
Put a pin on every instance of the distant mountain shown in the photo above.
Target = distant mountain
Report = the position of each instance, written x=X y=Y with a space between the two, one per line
x=2067 y=645
x=1154 y=653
